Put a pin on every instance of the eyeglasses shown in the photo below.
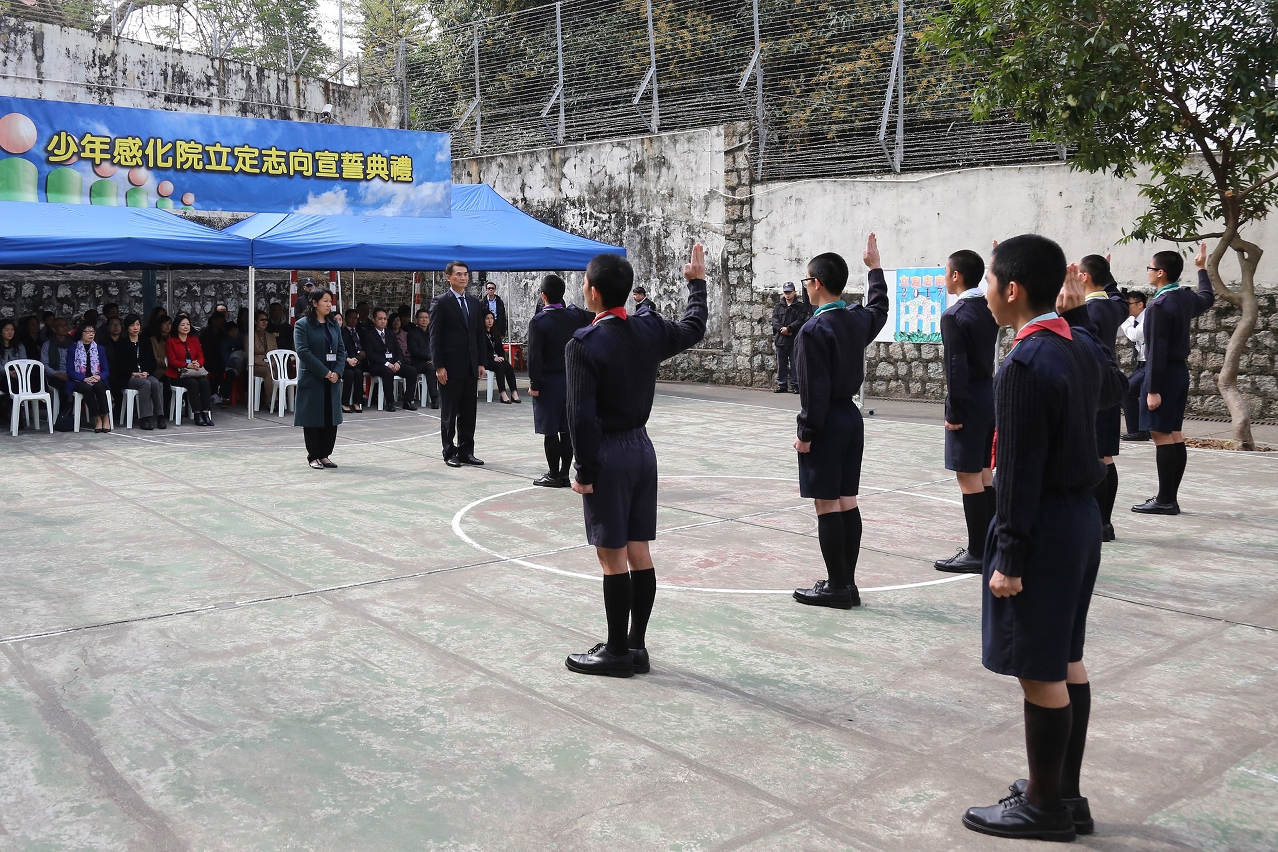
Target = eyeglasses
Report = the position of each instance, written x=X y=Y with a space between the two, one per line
x=804 y=281
x=1153 y=269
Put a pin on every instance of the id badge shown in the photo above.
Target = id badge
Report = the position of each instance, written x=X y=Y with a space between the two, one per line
x=331 y=358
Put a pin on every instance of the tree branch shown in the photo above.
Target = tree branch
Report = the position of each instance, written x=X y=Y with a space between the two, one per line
x=1196 y=238
x=1257 y=185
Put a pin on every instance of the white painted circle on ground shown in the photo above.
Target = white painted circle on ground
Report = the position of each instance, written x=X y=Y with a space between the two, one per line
x=526 y=563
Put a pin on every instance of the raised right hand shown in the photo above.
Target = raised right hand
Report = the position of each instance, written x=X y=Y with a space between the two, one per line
x=871 y=254
x=695 y=268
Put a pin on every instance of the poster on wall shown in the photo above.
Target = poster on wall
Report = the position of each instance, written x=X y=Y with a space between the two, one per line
x=70 y=153
x=918 y=298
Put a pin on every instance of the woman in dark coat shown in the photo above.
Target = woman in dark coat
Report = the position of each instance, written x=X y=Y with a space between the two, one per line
x=321 y=358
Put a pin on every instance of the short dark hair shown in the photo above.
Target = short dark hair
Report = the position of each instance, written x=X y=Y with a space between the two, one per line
x=553 y=287
x=453 y=264
x=316 y=295
x=1098 y=268
x=1170 y=262
x=638 y=288
x=613 y=276
x=82 y=327
x=970 y=267
x=232 y=326
x=373 y=314
x=1138 y=295
x=130 y=319
x=831 y=270
x=1036 y=263
x=421 y=311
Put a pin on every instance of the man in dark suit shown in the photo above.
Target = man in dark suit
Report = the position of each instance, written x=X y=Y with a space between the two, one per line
x=457 y=342
x=492 y=302
x=385 y=361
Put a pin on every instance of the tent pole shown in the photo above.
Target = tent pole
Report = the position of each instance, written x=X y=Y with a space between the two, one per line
x=354 y=300
x=168 y=293
x=252 y=333
x=340 y=309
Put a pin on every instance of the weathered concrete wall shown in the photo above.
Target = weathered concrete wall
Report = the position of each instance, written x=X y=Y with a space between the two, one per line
x=59 y=63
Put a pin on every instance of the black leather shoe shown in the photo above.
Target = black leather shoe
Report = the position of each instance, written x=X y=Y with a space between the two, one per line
x=148 y=424
x=161 y=423
x=1134 y=436
x=565 y=482
x=794 y=389
x=390 y=407
x=960 y=563
x=453 y=461
x=822 y=595
x=779 y=390
x=470 y=459
x=1016 y=817
x=434 y=403
x=1107 y=532
x=547 y=480
x=597 y=661
x=639 y=656
x=1078 y=809
x=1153 y=507
x=410 y=406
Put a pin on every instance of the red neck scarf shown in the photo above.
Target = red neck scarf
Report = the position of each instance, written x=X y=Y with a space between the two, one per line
x=620 y=313
x=1058 y=326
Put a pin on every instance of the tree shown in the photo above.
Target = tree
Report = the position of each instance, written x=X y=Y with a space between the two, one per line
x=1185 y=91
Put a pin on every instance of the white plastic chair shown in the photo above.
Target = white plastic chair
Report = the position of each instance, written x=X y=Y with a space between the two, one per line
x=130 y=405
x=179 y=397
x=77 y=402
x=401 y=387
x=491 y=383
x=26 y=393
x=279 y=360
x=258 y=383
x=375 y=384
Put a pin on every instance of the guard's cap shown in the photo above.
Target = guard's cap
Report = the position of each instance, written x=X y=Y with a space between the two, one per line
x=789 y=287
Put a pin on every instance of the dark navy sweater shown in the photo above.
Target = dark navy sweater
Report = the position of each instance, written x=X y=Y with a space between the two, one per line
x=829 y=354
x=1167 y=322
x=612 y=372
x=1046 y=395
x=548 y=334
x=1107 y=313
x=969 y=334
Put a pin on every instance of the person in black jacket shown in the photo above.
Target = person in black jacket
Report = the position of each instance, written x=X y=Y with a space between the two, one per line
x=458 y=343
x=549 y=331
x=419 y=355
x=611 y=369
x=134 y=369
x=1106 y=308
x=493 y=302
x=495 y=360
x=829 y=359
x=356 y=362
x=381 y=348
x=969 y=336
x=642 y=302
x=1133 y=328
x=1043 y=551
x=1162 y=410
x=788 y=317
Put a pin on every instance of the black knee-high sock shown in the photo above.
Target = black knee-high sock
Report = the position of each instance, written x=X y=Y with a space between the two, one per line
x=1106 y=491
x=975 y=509
x=1080 y=699
x=1046 y=741
x=643 y=585
x=565 y=454
x=830 y=534
x=1170 y=460
x=851 y=543
x=551 y=443
x=617 y=597
x=992 y=507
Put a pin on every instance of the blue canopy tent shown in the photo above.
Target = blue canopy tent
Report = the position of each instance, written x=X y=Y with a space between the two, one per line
x=485 y=230
x=83 y=236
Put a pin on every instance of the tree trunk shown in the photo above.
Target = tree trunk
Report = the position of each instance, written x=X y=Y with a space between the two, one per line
x=1248 y=259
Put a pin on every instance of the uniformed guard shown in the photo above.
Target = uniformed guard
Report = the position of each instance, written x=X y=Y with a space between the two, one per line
x=788 y=317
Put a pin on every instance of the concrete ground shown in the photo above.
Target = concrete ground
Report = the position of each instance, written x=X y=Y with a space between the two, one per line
x=207 y=645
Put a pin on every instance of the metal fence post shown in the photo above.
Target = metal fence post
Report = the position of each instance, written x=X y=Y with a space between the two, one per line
x=559 y=46
x=479 y=107
x=402 y=61
x=896 y=85
x=756 y=68
x=650 y=79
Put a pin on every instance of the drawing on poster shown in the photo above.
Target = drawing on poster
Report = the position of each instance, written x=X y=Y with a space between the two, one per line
x=920 y=301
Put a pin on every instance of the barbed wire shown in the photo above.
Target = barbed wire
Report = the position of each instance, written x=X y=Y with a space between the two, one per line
x=825 y=67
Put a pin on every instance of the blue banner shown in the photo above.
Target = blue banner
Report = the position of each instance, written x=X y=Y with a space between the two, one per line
x=70 y=153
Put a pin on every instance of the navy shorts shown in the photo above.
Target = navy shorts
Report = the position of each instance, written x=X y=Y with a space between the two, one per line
x=1170 y=415
x=1109 y=425
x=832 y=468
x=550 y=405
x=1037 y=633
x=968 y=450
x=623 y=506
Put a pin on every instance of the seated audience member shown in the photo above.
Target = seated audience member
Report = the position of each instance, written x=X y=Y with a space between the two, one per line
x=399 y=328
x=46 y=326
x=90 y=317
x=110 y=311
x=356 y=363
x=234 y=361
x=498 y=363
x=186 y=368
x=134 y=368
x=109 y=334
x=264 y=341
x=386 y=361
x=280 y=326
x=242 y=320
x=419 y=354
x=365 y=313
x=10 y=350
x=153 y=320
x=29 y=337
x=53 y=354
x=211 y=337
x=89 y=375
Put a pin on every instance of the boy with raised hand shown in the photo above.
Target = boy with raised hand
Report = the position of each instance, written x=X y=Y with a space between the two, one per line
x=1106 y=308
x=1162 y=410
x=829 y=360
x=969 y=336
x=1044 y=547
x=612 y=379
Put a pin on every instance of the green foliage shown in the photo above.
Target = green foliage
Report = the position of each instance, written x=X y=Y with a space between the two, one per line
x=1182 y=89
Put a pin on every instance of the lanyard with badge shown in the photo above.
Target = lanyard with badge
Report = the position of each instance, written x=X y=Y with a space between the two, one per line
x=331 y=357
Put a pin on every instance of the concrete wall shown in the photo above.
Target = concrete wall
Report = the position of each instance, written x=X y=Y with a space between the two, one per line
x=63 y=64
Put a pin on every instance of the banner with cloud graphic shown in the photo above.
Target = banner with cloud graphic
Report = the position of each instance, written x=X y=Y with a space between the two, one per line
x=54 y=151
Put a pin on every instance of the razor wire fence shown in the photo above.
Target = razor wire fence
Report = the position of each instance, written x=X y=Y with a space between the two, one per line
x=831 y=88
